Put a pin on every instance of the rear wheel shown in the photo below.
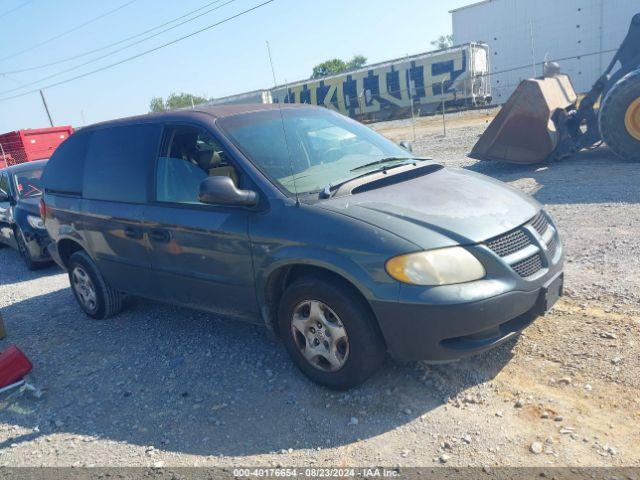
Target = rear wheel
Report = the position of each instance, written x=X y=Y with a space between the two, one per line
x=94 y=294
x=330 y=333
x=620 y=117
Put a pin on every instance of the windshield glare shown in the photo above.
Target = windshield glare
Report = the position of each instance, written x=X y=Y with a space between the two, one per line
x=28 y=183
x=321 y=147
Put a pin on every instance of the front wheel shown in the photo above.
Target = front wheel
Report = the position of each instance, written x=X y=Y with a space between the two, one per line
x=330 y=332
x=94 y=294
x=620 y=117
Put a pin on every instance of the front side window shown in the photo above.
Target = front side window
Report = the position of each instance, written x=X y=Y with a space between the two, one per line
x=28 y=183
x=188 y=156
x=307 y=148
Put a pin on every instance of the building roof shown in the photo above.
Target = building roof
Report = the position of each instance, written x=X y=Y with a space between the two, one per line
x=475 y=4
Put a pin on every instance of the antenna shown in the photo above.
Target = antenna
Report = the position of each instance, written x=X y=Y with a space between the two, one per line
x=284 y=130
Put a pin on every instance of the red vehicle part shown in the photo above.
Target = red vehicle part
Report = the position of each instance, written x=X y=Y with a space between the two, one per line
x=13 y=366
x=29 y=145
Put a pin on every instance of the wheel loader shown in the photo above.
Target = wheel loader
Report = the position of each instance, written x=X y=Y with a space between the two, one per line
x=544 y=119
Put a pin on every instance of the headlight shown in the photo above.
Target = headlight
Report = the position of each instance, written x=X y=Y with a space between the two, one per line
x=436 y=267
x=35 y=222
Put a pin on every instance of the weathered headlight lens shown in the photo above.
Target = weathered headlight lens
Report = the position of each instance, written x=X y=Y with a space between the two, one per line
x=35 y=222
x=444 y=266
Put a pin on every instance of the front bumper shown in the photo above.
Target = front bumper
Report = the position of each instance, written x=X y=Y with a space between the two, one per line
x=446 y=332
x=37 y=242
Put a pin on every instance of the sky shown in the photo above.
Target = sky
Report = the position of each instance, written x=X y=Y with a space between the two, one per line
x=223 y=60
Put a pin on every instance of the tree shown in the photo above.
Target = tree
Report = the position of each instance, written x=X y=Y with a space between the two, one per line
x=443 y=41
x=176 y=100
x=336 y=65
x=357 y=61
x=330 y=67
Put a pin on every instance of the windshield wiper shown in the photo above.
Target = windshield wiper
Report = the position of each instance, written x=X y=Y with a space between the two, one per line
x=327 y=191
x=386 y=160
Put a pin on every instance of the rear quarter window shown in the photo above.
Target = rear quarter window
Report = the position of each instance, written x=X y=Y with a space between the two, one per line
x=65 y=170
x=118 y=163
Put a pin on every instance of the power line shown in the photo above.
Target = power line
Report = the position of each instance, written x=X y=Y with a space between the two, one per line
x=93 y=60
x=184 y=37
x=11 y=10
x=67 y=32
x=104 y=47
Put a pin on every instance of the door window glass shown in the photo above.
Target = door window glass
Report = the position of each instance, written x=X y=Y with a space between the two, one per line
x=188 y=156
x=118 y=160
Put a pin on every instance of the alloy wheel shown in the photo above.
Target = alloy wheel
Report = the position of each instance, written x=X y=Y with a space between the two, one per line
x=320 y=335
x=84 y=288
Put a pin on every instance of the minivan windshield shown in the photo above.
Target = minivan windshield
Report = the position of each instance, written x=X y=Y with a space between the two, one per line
x=308 y=149
x=27 y=183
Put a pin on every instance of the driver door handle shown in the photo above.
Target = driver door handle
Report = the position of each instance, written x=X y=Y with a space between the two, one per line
x=161 y=236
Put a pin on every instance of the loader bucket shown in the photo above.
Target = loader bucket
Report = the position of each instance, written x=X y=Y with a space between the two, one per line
x=523 y=131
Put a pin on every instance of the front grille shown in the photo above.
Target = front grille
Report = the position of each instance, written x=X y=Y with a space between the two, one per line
x=540 y=223
x=529 y=266
x=509 y=243
x=518 y=239
x=551 y=248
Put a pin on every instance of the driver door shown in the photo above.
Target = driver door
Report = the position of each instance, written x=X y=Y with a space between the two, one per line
x=200 y=254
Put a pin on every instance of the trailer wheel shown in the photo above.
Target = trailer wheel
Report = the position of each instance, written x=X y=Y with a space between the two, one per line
x=620 y=117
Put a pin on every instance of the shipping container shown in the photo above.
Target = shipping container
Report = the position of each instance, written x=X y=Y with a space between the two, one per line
x=32 y=144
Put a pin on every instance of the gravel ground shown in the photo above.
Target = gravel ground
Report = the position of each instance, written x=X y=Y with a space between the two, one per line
x=165 y=386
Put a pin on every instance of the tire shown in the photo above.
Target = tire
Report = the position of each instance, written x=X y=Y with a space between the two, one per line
x=107 y=301
x=342 y=308
x=620 y=117
x=24 y=251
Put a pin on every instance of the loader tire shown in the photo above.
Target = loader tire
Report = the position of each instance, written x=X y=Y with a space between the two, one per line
x=620 y=117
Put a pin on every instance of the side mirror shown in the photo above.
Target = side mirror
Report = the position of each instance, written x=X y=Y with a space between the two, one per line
x=4 y=196
x=406 y=145
x=222 y=191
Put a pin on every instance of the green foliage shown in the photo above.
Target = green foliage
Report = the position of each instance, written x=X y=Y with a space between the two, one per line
x=176 y=100
x=336 y=65
x=357 y=61
x=443 y=41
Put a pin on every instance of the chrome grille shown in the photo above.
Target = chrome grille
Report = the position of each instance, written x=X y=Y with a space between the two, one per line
x=518 y=239
x=509 y=243
x=529 y=266
x=540 y=223
x=551 y=248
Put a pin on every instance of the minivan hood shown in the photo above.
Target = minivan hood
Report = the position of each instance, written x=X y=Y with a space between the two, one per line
x=443 y=208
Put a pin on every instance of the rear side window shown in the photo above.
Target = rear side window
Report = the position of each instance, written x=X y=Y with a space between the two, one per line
x=65 y=170
x=118 y=162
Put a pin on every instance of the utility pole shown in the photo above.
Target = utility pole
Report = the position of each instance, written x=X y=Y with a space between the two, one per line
x=44 y=102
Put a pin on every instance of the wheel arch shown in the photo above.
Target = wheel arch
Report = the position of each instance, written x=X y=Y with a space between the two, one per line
x=67 y=247
x=277 y=279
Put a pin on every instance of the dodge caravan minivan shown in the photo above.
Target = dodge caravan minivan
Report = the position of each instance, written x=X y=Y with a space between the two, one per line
x=344 y=244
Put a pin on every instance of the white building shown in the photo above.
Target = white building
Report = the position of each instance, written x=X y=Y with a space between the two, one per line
x=521 y=34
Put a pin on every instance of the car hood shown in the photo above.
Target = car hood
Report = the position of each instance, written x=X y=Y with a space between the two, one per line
x=443 y=208
x=31 y=205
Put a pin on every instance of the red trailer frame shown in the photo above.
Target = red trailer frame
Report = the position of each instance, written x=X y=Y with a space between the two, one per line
x=32 y=144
